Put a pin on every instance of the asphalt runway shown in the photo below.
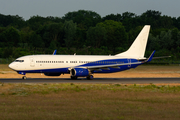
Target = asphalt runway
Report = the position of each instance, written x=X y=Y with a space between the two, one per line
x=94 y=81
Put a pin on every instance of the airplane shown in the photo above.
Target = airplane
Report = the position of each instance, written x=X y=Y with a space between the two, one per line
x=85 y=65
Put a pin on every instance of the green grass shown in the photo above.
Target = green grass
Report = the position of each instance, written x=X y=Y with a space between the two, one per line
x=89 y=101
x=29 y=89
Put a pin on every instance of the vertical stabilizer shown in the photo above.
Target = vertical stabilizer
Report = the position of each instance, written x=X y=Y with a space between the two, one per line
x=138 y=47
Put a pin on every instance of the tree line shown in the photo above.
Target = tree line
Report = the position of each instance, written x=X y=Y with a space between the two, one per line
x=86 y=32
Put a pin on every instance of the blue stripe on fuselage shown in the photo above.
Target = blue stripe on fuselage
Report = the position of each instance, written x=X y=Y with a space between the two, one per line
x=108 y=62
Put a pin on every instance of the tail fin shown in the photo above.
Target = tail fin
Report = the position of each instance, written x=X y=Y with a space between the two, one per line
x=138 y=47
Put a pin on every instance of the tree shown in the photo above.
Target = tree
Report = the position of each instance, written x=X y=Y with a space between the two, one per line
x=35 y=22
x=166 y=22
x=117 y=17
x=166 y=40
x=116 y=34
x=36 y=41
x=151 y=17
x=128 y=15
x=10 y=36
x=178 y=23
x=83 y=18
x=52 y=32
x=153 y=43
x=80 y=39
x=70 y=33
x=88 y=33
x=176 y=37
x=129 y=20
x=96 y=36
x=15 y=21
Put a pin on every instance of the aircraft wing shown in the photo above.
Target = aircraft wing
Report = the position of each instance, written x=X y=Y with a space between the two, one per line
x=117 y=66
x=107 y=67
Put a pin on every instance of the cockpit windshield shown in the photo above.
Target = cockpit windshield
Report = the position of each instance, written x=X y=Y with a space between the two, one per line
x=19 y=61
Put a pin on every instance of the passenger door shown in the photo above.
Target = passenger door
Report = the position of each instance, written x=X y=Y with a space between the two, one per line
x=32 y=63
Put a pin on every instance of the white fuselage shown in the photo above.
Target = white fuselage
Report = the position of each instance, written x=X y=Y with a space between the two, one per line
x=50 y=62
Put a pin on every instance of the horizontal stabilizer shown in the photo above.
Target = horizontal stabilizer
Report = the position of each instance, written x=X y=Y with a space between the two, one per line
x=161 y=57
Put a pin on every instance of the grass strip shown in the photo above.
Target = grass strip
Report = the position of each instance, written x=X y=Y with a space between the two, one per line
x=31 y=88
x=89 y=101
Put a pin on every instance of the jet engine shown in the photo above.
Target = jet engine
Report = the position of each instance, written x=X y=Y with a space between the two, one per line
x=79 y=72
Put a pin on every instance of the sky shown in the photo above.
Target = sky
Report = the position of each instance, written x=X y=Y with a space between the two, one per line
x=58 y=8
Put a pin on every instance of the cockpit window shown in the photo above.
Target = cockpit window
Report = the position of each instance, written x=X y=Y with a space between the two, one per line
x=19 y=60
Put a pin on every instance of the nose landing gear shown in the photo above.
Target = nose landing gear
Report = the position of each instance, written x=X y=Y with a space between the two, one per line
x=22 y=73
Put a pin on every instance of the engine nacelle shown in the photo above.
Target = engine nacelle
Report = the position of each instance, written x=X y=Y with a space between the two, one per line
x=79 y=72
x=52 y=74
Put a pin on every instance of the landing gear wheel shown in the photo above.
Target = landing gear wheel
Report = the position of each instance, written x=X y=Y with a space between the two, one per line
x=73 y=77
x=90 y=77
x=24 y=77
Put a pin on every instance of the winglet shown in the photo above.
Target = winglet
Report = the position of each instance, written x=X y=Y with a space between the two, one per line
x=54 y=53
x=150 y=57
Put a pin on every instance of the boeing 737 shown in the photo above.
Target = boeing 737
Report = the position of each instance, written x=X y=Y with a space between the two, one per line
x=85 y=65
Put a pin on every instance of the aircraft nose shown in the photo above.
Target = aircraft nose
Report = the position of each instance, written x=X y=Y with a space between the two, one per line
x=12 y=66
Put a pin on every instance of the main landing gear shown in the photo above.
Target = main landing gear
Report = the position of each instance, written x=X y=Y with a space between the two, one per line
x=73 y=77
x=24 y=77
x=90 y=77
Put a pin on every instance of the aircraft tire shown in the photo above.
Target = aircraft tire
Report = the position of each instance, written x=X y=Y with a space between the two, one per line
x=24 y=77
x=90 y=77
x=73 y=77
